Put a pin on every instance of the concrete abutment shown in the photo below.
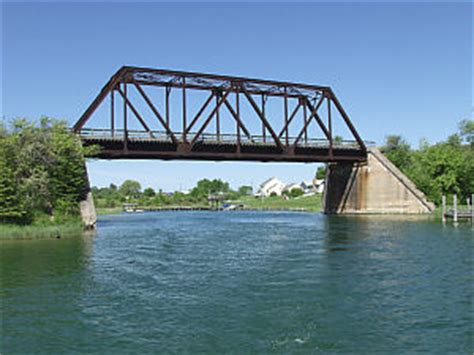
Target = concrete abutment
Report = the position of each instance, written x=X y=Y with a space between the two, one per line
x=87 y=207
x=373 y=187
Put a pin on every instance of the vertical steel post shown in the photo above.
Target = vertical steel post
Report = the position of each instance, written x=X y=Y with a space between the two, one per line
x=125 y=123
x=167 y=104
x=329 y=127
x=443 y=203
x=218 y=119
x=305 y=118
x=112 y=114
x=184 y=109
x=286 y=118
x=237 y=108
x=264 y=131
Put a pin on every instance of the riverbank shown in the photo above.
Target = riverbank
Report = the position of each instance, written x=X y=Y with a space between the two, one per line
x=16 y=232
x=108 y=210
x=304 y=203
x=274 y=203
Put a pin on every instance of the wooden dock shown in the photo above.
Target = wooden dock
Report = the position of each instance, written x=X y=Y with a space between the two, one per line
x=456 y=213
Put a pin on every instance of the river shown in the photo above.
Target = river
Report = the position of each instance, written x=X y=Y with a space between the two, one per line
x=240 y=282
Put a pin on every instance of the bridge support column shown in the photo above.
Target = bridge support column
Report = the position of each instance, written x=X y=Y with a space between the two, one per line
x=87 y=207
x=373 y=187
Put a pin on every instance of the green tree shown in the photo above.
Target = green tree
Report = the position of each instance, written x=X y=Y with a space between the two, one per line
x=454 y=140
x=245 y=190
x=295 y=192
x=466 y=128
x=12 y=209
x=443 y=168
x=321 y=172
x=67 y=173
x=398 y=151
x=338 y=139
x=149 y=192
x=205 y=187
x=130 y=189
x=47 y=165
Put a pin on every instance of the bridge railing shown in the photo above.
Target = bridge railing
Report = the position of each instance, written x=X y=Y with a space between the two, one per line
x=211 y=138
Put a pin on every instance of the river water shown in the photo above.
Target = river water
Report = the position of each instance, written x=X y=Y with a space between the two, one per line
x=241 y=282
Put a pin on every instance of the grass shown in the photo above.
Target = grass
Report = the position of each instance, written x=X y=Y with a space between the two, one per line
x=39 y=231
x=108 y=210
x=307 y=203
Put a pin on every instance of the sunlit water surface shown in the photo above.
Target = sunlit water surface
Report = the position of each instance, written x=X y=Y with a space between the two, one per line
x=241 y=282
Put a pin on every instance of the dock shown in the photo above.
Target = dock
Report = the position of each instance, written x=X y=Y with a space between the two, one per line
x=456 y=212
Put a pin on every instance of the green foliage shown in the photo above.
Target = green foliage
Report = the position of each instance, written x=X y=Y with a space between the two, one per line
x=466 y=128
x=148 y=192
x=12 y=210
x=398 y=151
x=130 y=189
x=205 y=187
x=245 y=190
x=295 y=192
x=321 y=172
x=112 y=197
x=45 y=165
x=442 y=168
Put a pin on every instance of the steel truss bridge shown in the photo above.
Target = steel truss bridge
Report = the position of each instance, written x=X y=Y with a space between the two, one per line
x=202 y=135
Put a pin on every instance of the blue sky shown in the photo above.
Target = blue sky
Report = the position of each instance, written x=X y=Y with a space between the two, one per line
x=398 y=68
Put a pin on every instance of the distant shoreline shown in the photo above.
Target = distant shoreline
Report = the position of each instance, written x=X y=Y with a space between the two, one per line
x=248 y=203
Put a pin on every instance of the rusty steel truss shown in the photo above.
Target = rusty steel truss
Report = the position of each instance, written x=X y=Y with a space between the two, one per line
x=194 y=141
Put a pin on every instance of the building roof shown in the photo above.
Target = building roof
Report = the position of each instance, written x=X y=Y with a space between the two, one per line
x=267 y=181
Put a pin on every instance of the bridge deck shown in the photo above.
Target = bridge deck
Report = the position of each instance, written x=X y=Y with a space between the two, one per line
x=158 y=145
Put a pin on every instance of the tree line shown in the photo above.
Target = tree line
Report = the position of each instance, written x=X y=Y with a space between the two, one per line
x=43 y=175
x=446 y=167
x=130 y=191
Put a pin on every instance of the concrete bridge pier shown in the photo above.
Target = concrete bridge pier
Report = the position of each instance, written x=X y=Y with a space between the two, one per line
x=373 y=187
x=87 y=207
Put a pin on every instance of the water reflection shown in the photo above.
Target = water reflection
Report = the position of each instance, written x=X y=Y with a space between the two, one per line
x=26 y=262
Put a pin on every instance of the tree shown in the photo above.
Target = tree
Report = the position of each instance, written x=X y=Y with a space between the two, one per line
x=454 y=140
x=466 y=128
x=46 y=163
x=443 y=168
x=130 y=189
x=398 y=151
x=338 y=139
x=321 y=172
x=245 y=190
x=205 y=187
x=12 y=209
x=149 y=192
x=295 y=192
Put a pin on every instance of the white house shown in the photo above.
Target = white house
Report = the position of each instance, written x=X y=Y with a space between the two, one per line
x=271 y=186
x=319 y=185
